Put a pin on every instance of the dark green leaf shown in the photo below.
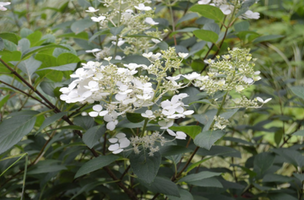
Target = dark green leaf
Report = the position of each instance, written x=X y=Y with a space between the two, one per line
x=276 y=178
x=15 y=128
x=164 y=186
x=299 y=176
x=298 y=133
x=208 y=182
x=192 y=131
x=198 y=176
x=29 y=66
x=93 y=135
x=242 y=26
x=184 y=194
x=3 y=100
x=135 y=117
x=67 y=67
x=207 y=138
x=291 y=156
x=82 y=35
x=95 y=164
x=145 y=167
x=206 y=35
x=48 y=121
x=208 y=11
x=187 y=17
x=262 y=162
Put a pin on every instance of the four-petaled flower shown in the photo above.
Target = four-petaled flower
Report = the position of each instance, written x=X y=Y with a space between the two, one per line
x=119 y=143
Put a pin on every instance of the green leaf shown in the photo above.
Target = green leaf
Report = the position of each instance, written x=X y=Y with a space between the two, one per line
x=3 y=100
x=298 y=90
x=48 y=121
x=187 y=17
x=291 y=156
x=95 y=164
x=145 y=167
x=33 y=50
x=164 y=186
x=1 y=44
x=198 y=176
x=208 y=182
x=184 y=195
x=298 y=133
x=299 y=176
x=81 y=35
x=34 y=38
x=29 y=66
x=67 y=58
x=197 y=65
x=25 y=32
x=206 y=35
x=67 y=67
x=208 y=11
x=281 y=196
x=192 y=131
x=241 y=26
x=23 y=45
x=81 y=25
x=262 y=162
x=267 y=38
x=207 y=138
x=276 y=178
x=15 y=128
x=135 y=117
x=10 y=37
x=117 y=30
x=47 y=166
x=93 y=135
x=278 y=135
x=196 y=164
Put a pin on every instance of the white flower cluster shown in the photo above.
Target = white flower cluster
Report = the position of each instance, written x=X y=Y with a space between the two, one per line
x=136 y=17
x=227 y=8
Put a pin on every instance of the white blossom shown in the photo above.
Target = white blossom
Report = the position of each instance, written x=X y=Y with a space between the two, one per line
x=204 y=2
x=150 y=21
x=120 y=142
x=178 y=135
x=92 y=10
x=98 y=111
x=98 y=19
x=142 y=7
x=251 y=15
x=262 y=101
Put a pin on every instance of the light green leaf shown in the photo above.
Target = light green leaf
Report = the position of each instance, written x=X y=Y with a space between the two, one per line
x=3 y=100
x=67 y=67
x=145 y=167
x=199 y=176
x=298 y=90
x=23 y=45
x=187 y=17
x=207 y=138
x=208 y=11
x=81 y=35
x=206 y=35
x=192 y=131
x=241 y=26
x=267 y=38
x=33 y=50
x=81 y=25
x=25 y=32
x=95 y=164
x=15 y=128
x=10 y=37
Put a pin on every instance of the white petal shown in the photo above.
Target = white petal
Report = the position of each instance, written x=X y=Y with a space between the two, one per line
x=93 y=114
x=171 y=132
x=111 y=125
x=113 y=147
x=124 y=142
x=120 y=135
x=97 y=108
x=181 y=135
x=113 y=140
x=117 y=151
x=267 y=100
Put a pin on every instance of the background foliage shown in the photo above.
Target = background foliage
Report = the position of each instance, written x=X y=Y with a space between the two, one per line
x=57 y=150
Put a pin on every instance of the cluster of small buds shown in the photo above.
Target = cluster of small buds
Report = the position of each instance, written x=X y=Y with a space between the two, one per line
x=233 y=72
x=220 y=123
x=247 y=103
x=228 y=7
x=148 y=142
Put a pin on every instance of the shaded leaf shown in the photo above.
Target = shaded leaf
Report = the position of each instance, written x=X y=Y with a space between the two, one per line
x=184 y=194
x=164 y=186
x=207 y=138
x=95 y=164
x=262 y=162
x=145 y=167
x=93 y=135
x=267 y=38
x=48 y=121
x=192 y=131
x=298 y=90
x=15 y=128
x=80 y=25
x=198 y=176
